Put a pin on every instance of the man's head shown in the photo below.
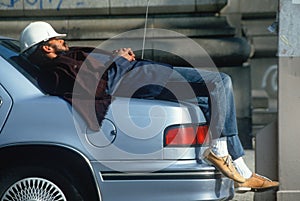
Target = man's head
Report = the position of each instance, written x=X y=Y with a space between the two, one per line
x=53 y=47
x=41 y=33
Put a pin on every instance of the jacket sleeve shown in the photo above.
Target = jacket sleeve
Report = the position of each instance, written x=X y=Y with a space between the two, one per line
x=57 y=81
x=49 y=82
x=116 y=71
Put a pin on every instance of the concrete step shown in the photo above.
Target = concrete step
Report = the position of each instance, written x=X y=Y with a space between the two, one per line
x=263 y=116
x=256 y=129
x=259 y=99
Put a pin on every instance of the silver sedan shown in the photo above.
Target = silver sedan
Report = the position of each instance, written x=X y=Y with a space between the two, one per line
x=146 y=150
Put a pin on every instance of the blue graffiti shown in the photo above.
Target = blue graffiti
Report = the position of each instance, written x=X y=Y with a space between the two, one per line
x=56 y=3
x=41 y=3
x=10 y=3
x=80 y=3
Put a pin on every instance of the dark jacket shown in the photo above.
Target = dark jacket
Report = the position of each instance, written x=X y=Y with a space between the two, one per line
x=79 y=79
x=88 y=83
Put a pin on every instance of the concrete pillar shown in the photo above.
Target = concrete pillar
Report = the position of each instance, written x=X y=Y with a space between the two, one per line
x=266 y=158
x=289 y=101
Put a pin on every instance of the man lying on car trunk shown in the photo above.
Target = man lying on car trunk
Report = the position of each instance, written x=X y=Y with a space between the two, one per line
x=63 y=67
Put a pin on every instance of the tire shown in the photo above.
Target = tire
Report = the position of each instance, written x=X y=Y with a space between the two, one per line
x=36 y=183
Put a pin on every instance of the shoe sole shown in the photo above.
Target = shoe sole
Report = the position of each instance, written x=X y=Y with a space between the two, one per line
x=248 y=189
x=242 y=190
x=264 y=189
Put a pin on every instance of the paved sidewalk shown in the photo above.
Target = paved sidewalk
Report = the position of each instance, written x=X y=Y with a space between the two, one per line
x=250 y=161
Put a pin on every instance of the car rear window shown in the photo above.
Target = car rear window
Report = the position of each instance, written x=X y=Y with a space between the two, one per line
x=9 y=50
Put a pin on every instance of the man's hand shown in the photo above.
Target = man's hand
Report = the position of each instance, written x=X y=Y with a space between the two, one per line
x=127 y=53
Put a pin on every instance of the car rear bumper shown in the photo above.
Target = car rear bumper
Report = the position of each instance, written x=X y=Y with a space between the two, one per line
x=175 y=183
x=166 y=186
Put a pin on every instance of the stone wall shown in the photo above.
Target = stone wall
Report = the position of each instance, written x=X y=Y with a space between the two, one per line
x=26 y=8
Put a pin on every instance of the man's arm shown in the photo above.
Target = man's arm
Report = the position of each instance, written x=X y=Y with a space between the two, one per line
x=124 y=60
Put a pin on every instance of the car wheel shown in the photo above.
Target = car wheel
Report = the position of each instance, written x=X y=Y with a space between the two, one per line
x=34 y=184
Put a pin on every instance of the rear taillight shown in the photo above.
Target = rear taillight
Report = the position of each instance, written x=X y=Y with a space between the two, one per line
x=186 y=135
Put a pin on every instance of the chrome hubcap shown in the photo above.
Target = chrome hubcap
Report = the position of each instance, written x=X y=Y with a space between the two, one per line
x=33 y=189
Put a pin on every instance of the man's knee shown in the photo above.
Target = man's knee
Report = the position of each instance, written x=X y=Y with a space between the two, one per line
x=226 y=80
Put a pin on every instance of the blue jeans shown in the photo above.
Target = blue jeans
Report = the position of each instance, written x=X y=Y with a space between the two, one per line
x=214 y=94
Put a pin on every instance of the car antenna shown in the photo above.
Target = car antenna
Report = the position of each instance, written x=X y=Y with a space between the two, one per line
x=145 y=29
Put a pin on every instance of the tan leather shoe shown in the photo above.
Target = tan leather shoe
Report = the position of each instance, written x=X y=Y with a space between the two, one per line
x=224 y=165
x=256 y=183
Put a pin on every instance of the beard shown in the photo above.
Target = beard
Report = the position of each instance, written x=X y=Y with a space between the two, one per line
x=61 y=49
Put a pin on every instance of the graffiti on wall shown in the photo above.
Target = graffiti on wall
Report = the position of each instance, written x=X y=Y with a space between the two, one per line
x=8 y=4
x=36 y=3
x=40 y=2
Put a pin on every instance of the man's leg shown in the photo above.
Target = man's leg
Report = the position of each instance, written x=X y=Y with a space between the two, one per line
x=215 y=89
x=219 y=107
x=222 y=119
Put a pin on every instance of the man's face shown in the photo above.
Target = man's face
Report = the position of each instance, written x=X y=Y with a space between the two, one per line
x=58 y=45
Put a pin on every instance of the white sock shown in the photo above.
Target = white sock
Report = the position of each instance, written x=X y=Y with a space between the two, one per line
x=242 y=168
x=219 y=147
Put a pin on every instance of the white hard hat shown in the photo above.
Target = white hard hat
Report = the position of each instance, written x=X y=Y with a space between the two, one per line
x=35 y=33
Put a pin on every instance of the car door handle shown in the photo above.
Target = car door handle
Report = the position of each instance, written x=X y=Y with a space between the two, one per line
x=1 y=101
